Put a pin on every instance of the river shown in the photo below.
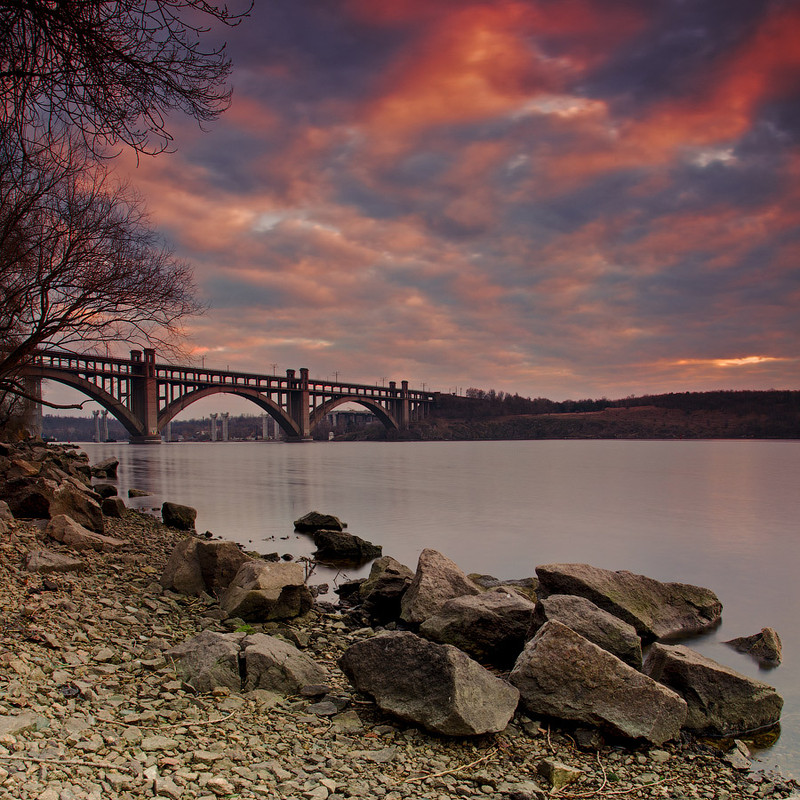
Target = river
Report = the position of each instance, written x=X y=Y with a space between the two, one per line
x=720 y=514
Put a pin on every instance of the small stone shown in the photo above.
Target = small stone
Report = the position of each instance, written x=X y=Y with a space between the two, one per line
x=558 y=775
x=158 y=743
x=221 y=786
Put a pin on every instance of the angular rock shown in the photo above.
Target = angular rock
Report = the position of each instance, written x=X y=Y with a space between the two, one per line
x=765 y=646
x=113 y=507
x=721 y=701
x=490 y=627
x=31 y=500
x=105 y=490
x=315 y=521
x=342 y=546
x=384 y=589
x=209 y=660
x=105 y=469
x=563 y=675
x=198 y=565
x=79 y=505
x=556 y=774
x=278 y=666
x=434 y=685
x=46 y=561
x=436 y=581
x=177 y=516
x=138 y=493
x=5 y=512
x=263 y=591
x=591 y=622
x=657 y=610
x=64 y=529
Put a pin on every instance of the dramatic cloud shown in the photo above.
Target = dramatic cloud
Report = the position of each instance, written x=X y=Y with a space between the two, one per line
x=561 y=198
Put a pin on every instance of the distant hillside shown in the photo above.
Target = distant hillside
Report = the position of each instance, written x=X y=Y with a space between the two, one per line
x=689 y=415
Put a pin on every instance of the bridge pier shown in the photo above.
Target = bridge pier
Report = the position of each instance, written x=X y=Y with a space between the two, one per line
x=298 y=405
x=144 y=396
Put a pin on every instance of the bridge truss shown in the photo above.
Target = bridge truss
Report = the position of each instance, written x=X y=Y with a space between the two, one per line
x=145 y=395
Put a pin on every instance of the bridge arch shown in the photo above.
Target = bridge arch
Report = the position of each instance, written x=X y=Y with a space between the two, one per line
x=319 y=413
x=288 y=425
x=107 y=401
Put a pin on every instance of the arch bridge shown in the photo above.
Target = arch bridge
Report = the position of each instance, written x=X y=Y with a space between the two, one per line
x=145 y=395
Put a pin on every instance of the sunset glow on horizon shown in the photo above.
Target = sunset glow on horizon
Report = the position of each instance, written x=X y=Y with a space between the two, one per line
x=582 y=198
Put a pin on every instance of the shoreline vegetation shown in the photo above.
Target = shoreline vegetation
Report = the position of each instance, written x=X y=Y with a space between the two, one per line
x=94 y=707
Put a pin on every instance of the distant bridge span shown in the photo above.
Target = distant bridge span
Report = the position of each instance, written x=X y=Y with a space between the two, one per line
x=145 y=395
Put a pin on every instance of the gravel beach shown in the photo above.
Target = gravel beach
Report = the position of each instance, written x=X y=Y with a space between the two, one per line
x=90 y=707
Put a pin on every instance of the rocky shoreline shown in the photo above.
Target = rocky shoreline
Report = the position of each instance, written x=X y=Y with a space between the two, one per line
x=92 y=706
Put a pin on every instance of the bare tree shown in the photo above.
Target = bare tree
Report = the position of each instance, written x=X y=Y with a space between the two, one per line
x=111 y=71
x=79 y=264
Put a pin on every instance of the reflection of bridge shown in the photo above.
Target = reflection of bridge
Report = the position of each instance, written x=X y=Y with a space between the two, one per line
x=144 y=396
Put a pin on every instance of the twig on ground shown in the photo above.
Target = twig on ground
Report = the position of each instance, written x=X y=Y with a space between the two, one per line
x=459 y=768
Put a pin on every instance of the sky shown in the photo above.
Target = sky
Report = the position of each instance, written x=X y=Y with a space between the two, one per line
x=556 y=198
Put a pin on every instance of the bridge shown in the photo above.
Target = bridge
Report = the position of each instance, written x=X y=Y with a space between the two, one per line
x=145 y=395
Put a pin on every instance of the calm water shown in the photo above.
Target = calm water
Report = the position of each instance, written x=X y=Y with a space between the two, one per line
x=719 y=514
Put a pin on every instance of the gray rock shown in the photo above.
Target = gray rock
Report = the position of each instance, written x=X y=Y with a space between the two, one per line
x=383 y=590
x=490 y=627
x=343 y=546
x=765 y=647
x=591 y=622
x=657 y=610
x=557 y=774
x=66 y=530
x=209 y=660
x=263 y=590
x=199 y=565
x=563 y=675
x=178 y=516
x=721 y=701
x=436 y=581
x=105 y=469
x=113 y=507
x=278 y=666
x=434 y=685
x=79 y=505
x=138 y=493
x=5 y=512
x=315 y=521
x=46 y=561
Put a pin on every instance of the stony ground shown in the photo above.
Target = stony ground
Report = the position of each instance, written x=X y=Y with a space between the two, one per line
x=90 y=707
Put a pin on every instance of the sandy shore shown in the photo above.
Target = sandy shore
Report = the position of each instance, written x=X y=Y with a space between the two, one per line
x=90 y=707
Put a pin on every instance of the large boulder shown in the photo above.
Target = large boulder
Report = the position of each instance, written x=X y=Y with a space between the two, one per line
x=436 y=581
x=105 y=490
x=721 y=701
x=278 y=666
x=64 y=529
x=342 y=546
x=383 y=590
x=315 y=521
x=764 y=646
x=177 y=516
x=30 y=499
x=591 y=622
x=433 y=685
x=209 y=660
x=561 y=674
x=657 y=610
x=490 y=627
x=199 y=565
x=263 y=590
x=77 y=503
